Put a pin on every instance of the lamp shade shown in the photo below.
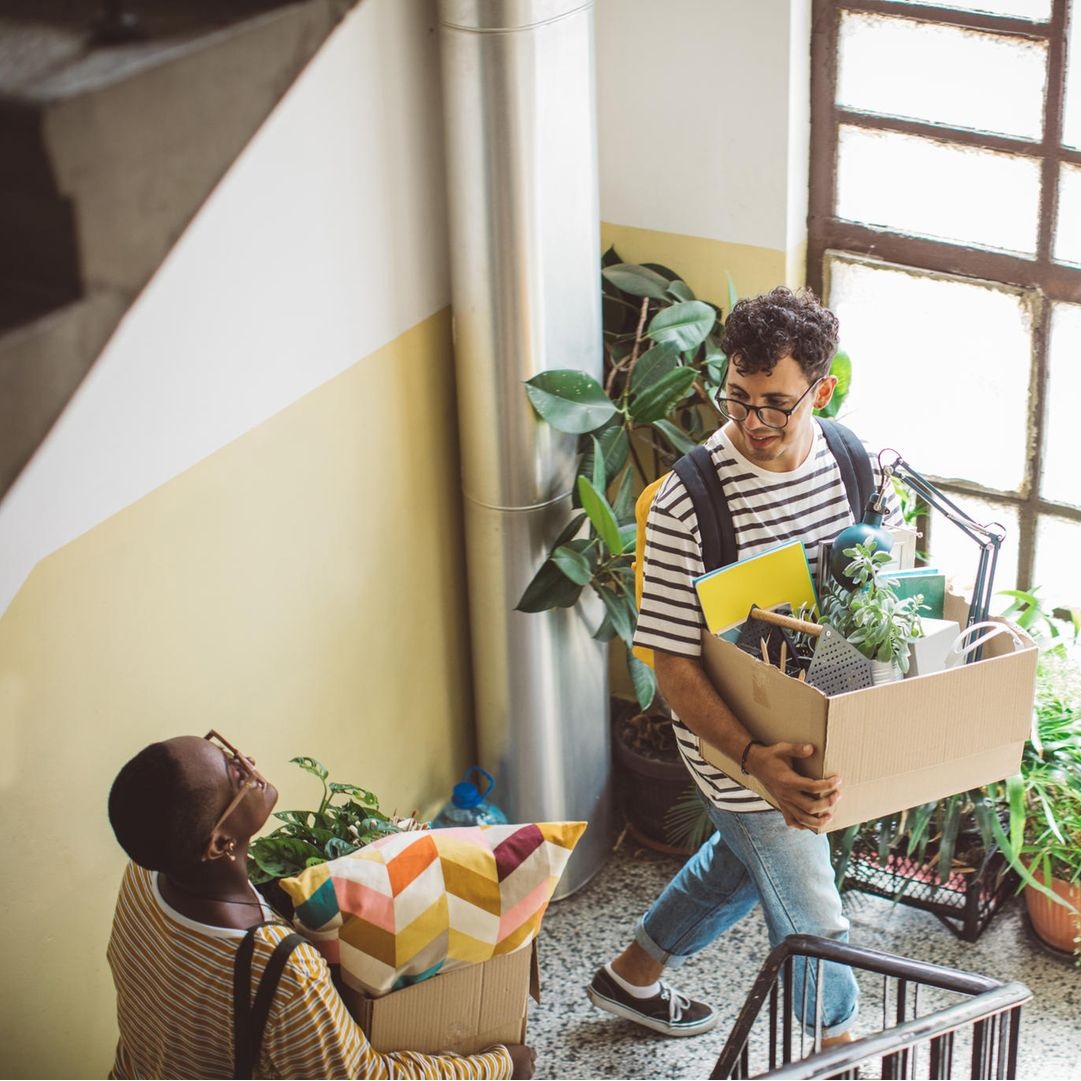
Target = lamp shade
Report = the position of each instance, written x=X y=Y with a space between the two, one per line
x=858 y=533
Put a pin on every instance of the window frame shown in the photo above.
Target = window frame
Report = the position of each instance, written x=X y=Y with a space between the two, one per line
x=1042 y=279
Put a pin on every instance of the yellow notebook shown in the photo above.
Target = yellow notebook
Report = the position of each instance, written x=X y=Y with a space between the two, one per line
x=771 y=577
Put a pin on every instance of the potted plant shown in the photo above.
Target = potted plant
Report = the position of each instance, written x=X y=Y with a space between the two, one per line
x=347 y=818
x=1043 y=841
x=871 y=615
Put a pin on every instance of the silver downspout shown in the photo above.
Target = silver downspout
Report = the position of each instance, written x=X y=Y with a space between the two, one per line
x=519 y=104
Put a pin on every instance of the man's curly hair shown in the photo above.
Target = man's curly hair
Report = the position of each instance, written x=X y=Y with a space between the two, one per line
x=761 y=330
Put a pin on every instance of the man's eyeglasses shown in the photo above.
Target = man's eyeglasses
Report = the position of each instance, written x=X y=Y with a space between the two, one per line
x=252 y=778
x=772 y=416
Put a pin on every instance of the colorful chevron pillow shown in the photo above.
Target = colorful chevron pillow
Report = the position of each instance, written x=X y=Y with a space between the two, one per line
x=413 y=904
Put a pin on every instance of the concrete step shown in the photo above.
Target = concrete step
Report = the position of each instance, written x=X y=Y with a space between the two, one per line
x=109 y=152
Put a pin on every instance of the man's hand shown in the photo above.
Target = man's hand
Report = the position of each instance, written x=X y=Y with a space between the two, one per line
x=523 y=1057
x=805 y=804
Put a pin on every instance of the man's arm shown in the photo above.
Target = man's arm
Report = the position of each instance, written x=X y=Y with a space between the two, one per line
x=804 y=802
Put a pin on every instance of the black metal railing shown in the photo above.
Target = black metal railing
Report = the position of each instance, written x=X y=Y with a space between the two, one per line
x=965 y=1017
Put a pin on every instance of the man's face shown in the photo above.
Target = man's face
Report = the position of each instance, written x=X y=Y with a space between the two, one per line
x=776 y=450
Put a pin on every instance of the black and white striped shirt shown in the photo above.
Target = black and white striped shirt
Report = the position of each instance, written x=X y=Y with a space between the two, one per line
x=808 y=504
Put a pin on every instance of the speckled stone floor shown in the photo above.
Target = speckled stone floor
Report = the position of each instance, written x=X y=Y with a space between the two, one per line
x=575 y=1040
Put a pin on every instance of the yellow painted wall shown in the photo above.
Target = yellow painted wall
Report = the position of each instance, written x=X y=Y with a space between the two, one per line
x=703 y=263
x=299 y=590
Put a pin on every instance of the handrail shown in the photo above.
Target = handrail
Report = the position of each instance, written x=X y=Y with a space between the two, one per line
x=989 y=997
x=842 y=1057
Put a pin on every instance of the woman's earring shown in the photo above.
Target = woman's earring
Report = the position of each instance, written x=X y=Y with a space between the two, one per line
x=230 y=850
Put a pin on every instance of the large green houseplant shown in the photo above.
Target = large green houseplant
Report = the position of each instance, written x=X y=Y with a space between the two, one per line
x=663 y=366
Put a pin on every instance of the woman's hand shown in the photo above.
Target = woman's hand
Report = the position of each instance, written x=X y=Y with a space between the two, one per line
x=523 y=1057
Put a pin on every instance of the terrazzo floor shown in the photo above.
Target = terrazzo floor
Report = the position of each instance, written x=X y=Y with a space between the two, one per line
x=573 y=1039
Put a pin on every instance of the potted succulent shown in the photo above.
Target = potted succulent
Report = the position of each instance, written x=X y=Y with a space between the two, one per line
x=870 y=615
x=347 y=818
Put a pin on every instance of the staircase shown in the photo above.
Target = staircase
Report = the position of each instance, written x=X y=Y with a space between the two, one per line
x=117 y=120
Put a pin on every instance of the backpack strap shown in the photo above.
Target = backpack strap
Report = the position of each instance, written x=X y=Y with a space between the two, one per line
x=855 y=465
x=715 y=529
x=249 y=1021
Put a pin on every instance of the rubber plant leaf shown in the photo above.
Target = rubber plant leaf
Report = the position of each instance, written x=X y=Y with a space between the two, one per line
x=658 y=400
x=674 y=436
x=643 y=680
x=569 y=400
x=685 y=325
x=600 y=514
x=550 y=588
x=652 y=364
x=573 y=564
x=639 y=281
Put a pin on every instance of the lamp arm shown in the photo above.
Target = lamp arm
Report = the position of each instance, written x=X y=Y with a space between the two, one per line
x=989 y=539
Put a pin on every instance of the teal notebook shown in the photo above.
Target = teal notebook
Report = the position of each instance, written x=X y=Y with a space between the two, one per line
x=926 y=580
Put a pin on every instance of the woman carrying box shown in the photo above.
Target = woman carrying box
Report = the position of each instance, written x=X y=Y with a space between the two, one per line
x=184 y=810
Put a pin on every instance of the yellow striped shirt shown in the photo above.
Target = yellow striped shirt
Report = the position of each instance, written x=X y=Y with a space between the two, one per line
x=174 y=992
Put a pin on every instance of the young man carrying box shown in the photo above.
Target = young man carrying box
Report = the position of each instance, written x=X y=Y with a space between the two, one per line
x=782 y=483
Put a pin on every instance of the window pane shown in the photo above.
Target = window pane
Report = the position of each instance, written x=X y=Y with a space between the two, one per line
x=927 y=188
x=1058 y=570
x=1061 y=476
x=958 y=555
x=1067 y=247
x=940 y=369
x=1071 y=118
x=942 y=74
x=1036 y=10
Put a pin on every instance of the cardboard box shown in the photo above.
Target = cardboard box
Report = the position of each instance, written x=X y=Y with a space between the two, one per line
x=896 y=745
x=464 y=1010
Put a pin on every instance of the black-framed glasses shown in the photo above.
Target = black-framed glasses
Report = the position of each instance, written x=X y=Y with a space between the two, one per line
x=252 y=777
x=772 y=416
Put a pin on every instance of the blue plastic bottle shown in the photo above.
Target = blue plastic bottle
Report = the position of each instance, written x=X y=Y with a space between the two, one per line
x=468 y=805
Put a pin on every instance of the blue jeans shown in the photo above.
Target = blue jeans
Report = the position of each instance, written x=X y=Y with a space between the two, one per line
x=754 y=857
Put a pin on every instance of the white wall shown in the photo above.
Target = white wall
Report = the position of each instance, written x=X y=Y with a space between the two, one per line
x=273 y=290
x=704 y=112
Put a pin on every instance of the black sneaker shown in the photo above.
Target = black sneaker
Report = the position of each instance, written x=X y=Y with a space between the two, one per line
x=667 y=1011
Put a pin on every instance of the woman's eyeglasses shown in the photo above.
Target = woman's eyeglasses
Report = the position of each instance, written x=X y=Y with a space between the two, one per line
x=252 y=778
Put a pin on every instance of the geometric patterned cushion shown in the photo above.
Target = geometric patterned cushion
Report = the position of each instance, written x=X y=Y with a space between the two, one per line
x=413 y=904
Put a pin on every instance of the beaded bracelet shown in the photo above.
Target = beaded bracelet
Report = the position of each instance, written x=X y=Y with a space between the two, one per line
x=743 y=757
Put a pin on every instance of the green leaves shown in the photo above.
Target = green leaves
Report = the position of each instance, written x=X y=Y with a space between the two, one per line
x=643 y=680
x=639 y=281
x=653 y=364
x=841 y=367
x=685 y=325
x=674 y=436
x=570 y=400
x=655 y=402
x=307 y=838
x=550 y=588
x=573 y=564
x=600 y=514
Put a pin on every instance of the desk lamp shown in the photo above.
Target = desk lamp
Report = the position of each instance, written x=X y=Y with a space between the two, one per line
x=988 y=537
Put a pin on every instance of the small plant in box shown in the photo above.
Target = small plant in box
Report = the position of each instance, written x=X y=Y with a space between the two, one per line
x=870 y=615
x=347 y=818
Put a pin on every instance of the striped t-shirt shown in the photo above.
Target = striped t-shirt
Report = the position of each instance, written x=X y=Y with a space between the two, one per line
x=808 y=504
x=174 y=995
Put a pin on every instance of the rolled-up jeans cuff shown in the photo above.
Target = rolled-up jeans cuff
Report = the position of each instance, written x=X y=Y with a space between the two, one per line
x=830 y=1031
x=669 y=960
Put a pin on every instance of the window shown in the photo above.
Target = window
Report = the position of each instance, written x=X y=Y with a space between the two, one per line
x=945 y=231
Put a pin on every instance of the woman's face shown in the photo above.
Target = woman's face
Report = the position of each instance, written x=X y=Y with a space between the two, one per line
x=243 y=798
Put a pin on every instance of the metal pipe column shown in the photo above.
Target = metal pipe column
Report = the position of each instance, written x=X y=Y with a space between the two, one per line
x=519 y=103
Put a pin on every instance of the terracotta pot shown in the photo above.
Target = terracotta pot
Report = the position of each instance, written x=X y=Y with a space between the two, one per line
x=1053 y=923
